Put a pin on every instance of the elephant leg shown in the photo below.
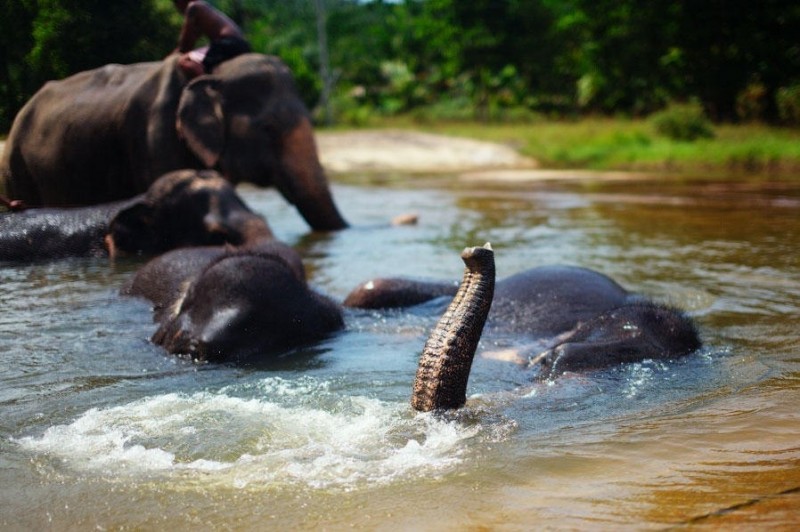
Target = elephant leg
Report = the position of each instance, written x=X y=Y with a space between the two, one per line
x=446 y=360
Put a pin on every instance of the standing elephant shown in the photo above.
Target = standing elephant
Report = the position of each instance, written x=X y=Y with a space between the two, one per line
x=219 y=304
x=107 y=134
x=584 y=320
x=182 y=208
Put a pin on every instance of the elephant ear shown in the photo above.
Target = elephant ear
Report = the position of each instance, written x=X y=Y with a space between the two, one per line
x=200 y=119
x=131 y=230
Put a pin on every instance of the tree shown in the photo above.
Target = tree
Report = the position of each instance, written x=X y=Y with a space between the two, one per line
x=51 y=39
x=74 y=35
x=730 y=44
x=15 y=42
x=626 y=53
x=553 y=56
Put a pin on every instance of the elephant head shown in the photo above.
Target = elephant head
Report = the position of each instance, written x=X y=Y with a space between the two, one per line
x=247 y=120
x=631 y=333
x=243 y=303
x=181 y=208
x=185 y=208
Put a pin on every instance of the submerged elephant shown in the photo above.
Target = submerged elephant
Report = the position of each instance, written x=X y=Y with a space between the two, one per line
x=589 y=321
x=182 y=208
x=107 y=134
x=218 y=304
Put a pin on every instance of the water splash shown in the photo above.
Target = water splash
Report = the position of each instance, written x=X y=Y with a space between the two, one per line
x=270 y=432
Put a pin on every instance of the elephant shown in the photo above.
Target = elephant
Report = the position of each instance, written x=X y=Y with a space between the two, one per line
x=586 y=320
x=181 y=208
x=233 y=304
x=106 y=134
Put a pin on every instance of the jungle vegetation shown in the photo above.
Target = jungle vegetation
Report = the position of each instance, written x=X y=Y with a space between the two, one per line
x=697 y=66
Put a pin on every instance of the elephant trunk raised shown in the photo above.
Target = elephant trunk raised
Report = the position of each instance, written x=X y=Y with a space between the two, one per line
x=446 y=360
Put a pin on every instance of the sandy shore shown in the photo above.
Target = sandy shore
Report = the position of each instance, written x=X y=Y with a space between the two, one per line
x=413 y=152
x=402 y=151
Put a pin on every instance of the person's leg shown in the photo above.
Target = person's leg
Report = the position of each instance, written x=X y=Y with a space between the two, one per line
x=222 y=50
x=189 y=66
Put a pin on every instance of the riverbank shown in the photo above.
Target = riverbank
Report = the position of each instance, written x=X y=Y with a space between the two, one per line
x=408 y=152
x=589 y=149
x=597 y=149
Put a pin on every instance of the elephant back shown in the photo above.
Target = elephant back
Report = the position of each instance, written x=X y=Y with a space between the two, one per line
x=549 y=300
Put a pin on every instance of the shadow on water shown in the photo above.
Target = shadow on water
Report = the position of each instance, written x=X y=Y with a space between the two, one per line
x=299 y=359
x=99 y=428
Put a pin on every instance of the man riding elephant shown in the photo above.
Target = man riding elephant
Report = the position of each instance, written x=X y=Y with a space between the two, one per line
x=106 y=134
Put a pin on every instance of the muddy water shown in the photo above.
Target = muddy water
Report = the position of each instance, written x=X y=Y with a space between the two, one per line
x=99 y=429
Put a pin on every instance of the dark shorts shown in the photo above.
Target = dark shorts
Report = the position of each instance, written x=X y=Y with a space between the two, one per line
x=222 y=50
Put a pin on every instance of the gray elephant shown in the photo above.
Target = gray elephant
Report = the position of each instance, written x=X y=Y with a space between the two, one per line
x=586 y=320
x=182 y=208
x=107 y=134
x=225 y=304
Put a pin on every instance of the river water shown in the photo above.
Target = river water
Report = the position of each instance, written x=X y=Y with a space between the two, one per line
x=100 y=429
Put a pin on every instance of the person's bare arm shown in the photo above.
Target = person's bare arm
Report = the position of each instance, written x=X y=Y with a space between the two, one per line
x=202 y=19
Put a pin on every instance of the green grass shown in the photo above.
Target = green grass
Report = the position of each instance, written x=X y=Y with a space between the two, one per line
x=623 y=144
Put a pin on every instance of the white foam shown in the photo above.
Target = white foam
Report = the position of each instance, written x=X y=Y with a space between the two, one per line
x=292 y=431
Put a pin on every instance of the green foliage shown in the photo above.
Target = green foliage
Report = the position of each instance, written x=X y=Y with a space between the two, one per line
x=751 y=102
x=683 y=122
x=787 y=100
x=74 y=35
x=623 y=54
x=284 y=29
x=15 y=40
x=458 y=109
x=508 y=60
x=50 y=39
x=350 y=108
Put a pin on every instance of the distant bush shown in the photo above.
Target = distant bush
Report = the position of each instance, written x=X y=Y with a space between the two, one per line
x=751 y=103
x=683 y=121
x=787 y=100
x=462 y=109
x=349 y=108
x=514 y=115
